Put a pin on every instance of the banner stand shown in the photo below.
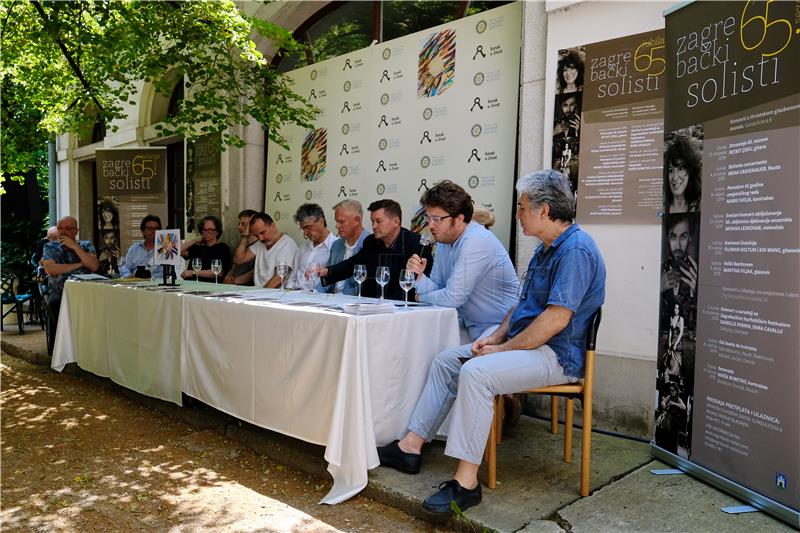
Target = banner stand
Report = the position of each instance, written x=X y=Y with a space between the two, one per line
x=778 y=510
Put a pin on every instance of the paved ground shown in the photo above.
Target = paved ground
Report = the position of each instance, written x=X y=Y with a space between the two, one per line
x=70 y=462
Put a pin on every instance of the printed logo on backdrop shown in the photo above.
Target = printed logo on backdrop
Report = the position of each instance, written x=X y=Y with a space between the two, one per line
x=437 y=64
x=309 y=194
x=314 y=154
x=277 y=216
x=480 y=27
x=427 y=113
x=476 y=130
x=478 y=51
x=313 y=74
x=279 y=178
x=473 y=182
x=345 y=128
x=347 y=85
x=380 y=189
x=382 y=144
x=384 y=99
x=478 y=78
x=387 y=53
x=343 y=171
x=425 y=162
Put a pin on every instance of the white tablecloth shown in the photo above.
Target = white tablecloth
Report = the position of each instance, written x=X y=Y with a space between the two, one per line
x=128 y=334
x=346 y=382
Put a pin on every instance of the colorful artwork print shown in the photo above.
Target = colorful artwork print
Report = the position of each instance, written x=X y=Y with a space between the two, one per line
x=437 y=64
x=313 y=156
x=168 y=247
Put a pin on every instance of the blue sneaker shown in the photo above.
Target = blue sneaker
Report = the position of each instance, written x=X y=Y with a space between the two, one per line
x=451 y=491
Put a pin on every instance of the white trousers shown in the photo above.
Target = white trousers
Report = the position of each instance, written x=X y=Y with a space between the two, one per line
x=470 y=390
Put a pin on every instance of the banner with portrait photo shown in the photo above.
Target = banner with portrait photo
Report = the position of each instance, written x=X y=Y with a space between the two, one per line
x=608 y=127
x=397 y=117
x=131 y=183
x=730 y=315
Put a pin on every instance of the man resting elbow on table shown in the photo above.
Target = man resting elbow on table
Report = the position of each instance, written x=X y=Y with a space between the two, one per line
x=540 y=342
x=271 y=249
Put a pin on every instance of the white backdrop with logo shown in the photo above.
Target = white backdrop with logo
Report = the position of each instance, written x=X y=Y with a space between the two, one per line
x=401 y=115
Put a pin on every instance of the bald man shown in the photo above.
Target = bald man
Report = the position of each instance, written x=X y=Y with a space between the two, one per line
x=60 y=259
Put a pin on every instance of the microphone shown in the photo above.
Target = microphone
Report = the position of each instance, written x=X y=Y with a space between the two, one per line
x=424 y=242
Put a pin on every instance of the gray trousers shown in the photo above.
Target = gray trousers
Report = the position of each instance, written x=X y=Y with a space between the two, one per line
x=470 y=390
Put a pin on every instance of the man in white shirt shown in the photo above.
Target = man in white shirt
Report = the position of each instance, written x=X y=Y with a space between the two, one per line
x=349 y=216
x=272 y=249
x=316 y=249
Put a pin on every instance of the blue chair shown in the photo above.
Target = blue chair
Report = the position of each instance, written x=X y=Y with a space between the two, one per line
x=16 y=301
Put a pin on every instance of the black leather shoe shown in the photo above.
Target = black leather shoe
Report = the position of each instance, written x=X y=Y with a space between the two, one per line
x=451 y=491
x=391 y=455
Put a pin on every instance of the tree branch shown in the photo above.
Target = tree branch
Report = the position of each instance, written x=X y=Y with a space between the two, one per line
x=68 y=56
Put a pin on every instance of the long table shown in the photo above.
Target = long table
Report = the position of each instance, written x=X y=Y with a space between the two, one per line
x=285 y=361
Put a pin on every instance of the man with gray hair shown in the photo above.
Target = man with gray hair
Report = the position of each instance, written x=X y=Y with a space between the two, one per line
x=61 y=259
x=317 y=248
x=540 y=342
x=349 y=217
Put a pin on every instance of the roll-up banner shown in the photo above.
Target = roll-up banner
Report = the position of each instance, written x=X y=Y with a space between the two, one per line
x=401 y=115
x=131 y=183
x=608 y=127
x=728 y=401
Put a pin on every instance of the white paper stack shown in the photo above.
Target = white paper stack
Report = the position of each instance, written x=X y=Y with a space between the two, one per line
x=368 y=308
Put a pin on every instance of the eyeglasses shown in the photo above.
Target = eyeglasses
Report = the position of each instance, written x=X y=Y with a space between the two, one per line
x=68 y=228
x=308 y=225
x=152 y=228
x=434 y=219
x=206 y=230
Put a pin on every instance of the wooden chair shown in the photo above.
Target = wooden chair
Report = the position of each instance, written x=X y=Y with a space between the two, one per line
x=10 y=298
x=571 y=391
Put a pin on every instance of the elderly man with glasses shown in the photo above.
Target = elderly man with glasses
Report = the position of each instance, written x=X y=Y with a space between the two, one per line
x=316 y=251
x=540 y=342
x=61 y=259
x=140 y=254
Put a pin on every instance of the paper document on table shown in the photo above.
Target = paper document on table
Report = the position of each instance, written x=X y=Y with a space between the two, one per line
x=89 y=277
x=368 y=308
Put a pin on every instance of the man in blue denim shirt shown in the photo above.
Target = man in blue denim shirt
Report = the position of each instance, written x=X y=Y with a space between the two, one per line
x=540 y=342
x=61 y=259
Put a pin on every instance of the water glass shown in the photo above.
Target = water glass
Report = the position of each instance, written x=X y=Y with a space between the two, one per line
x=382 y=277
x=282 y=270
x=407 y=278
x=197 y=266
x=360 y=275
x=216 y=268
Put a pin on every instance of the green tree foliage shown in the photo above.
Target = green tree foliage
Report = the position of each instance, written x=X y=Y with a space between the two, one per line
x=66 y=65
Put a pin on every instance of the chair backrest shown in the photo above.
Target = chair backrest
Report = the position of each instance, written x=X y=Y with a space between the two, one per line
x=7 y=287
x=594 y=325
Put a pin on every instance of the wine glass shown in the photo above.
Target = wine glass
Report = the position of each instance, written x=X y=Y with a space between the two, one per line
x=382 y=277
x=407 y=278
x=197 y=266
x=312 y=274
x=282 y=270
x=360 y=275
x=216 y=268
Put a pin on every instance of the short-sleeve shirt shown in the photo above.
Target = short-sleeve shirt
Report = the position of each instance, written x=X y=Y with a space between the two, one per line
x=569 y=273
x=62 y=255
x=282 y=251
